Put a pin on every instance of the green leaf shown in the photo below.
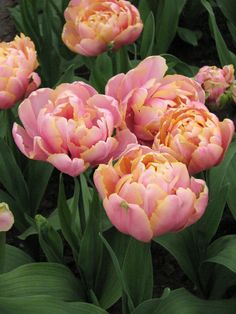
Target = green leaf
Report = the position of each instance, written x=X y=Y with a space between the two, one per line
x=65 y=218
x=108 y=287
x=91 y=244
x=137 y=271
x=41 y=279
x=225 y=55
x=231 y=196
x=37 y=175
x=222 y=279
x=119 y=274
x=189 y=36
x=228 y=8
x=101 y=72
x=50 y=240
x=45 y=304
x=148 y=36
x=181 y=301
x=223 y=251
x=15 y=257
x=167 y=18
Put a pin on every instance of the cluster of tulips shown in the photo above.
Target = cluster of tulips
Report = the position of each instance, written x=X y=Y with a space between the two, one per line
x=148 y=133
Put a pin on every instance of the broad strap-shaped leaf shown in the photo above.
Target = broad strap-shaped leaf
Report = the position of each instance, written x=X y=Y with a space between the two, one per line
x=167 y=18
x=181 y=301
x=137 y=271
x=148 y=36
x=223 y=251
x=45 y=304
x=41 y=279
x=15 y=257
x=108 y=286
x=225 y=55
x=37 y=175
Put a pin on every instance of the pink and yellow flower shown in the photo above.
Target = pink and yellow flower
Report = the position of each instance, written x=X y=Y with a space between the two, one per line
x=195 y=137
x=18 y=60
x=94 y=26
x=71 y=127
x=147 y=194
x=145 y=95
x=6 y=218
x=215 y=81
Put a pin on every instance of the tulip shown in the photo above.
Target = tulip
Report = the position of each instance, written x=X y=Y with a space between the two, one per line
x=71 y=127
x=215 y=81
x=195 y=137
x=144 y=96
x=147 y=194
x=94 y=26
x=18 y=60
x=6 y=218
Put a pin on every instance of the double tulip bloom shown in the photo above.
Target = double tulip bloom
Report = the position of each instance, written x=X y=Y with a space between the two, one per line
x=71 y=127
x=94 y=26
x=195 y=137
x=18 y=61
x=215 y=81
x=145 y=95
x=147 y=194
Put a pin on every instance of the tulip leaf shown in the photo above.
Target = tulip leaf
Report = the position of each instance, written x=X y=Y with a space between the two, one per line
x=222 y=280
x=108 y=286
x=15 y=257
x=41 y=279
x=65 y=218
x=167 y=19
x=228 y=8
x=225 y=55
x=231 y=196
x=126 y=296
x=181 y=301
x=189 y=36
x=137 y=271
x=148 y=36
x=37 y=175
x=91 y=244
x=44 y=304
x=223 y=251
x=15 y=185
x=101 y=72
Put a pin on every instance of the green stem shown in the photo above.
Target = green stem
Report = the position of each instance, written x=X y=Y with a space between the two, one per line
x=2 y=251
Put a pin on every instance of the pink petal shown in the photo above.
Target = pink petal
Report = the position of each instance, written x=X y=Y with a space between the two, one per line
x=128 y=218
x=72 y=167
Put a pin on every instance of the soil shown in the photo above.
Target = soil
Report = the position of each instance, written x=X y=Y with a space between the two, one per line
x=7 y=29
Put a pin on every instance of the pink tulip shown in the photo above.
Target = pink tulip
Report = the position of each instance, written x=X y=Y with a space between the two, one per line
x=215 y=81
x=147 y=194
x=18 y=60
x=6 y=218
x=194 y=137
x=94 y=26
x=71 y=127
x=144 y=96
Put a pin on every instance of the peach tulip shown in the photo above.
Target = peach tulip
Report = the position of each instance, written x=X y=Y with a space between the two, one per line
x=145 y=95
x=71 y=127
x=195 y=137
x=18 y=60
x=147 y=194
x=6 y=218
x=215 y=81
x=94 y=26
